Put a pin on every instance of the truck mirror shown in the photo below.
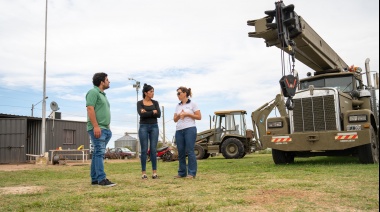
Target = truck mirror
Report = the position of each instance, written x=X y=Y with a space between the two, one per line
x=355 y=94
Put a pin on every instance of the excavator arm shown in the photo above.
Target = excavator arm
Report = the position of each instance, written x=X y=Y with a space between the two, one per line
x=294 y=35
x=259 y=116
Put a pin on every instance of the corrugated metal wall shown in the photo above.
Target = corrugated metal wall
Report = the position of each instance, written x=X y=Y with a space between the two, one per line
x=33 y=145
x=55 y=136
x=12 y=140
x=21 y=136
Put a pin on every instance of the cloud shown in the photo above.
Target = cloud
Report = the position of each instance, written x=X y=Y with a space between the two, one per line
x=169 y=43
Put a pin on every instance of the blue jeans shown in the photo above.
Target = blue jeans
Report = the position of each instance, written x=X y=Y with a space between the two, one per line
x=185 y=140
x=148 y=132
x=97 y=166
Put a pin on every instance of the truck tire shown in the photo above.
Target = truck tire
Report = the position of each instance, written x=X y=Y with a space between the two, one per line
x=199 y=151
x=369 y=153
x=282 y=157
x=232 y=148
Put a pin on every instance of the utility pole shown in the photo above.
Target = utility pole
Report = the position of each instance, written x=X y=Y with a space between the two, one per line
x=43 y=149
x=163 y=125
x=137 y=86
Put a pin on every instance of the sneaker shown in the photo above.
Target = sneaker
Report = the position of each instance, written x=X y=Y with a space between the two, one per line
x=190 y=177
x=94 y=183
x=155 y=176
x=106 y=183
x=144 y=177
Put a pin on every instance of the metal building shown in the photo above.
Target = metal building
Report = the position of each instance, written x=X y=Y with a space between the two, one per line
x=21 y=135
x=127 y=140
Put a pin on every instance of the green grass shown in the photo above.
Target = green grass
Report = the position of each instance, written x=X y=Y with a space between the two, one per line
x=252 y=183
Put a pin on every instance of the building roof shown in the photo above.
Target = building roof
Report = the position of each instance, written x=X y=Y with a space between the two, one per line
x=126 y=137
x=3 y=115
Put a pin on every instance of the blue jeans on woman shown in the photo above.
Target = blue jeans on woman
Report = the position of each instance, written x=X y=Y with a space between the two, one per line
x=148 y=132
x=185 y=140
x=97 y=166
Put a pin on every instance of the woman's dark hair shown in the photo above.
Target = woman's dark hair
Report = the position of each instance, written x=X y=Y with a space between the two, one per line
x=146 y=88
x=185 y=90
x=98 y=78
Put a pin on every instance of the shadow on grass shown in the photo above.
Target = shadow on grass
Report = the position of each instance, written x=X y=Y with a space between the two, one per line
x=325 y=160
x=303 y=160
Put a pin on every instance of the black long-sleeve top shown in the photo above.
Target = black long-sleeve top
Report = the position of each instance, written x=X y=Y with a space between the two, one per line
x=148 y=117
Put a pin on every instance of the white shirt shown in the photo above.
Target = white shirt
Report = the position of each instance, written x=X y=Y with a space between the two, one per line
x=187 y=122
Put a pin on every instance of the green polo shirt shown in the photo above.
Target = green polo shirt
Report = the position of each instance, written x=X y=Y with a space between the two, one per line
x=98 y=100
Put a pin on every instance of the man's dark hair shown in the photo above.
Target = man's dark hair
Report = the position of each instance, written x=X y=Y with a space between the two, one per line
x=146 y=88
x=98 y=78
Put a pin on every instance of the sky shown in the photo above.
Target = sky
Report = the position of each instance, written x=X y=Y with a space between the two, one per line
x=202 y=45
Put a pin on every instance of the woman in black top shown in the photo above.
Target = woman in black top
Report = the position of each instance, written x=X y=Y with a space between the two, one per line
x=149 y=111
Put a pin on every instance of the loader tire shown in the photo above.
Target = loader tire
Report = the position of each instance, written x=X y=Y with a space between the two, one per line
x=199 y=151
x=232 y=148
x=207 y=155
x=369 y=153
x=282 y=157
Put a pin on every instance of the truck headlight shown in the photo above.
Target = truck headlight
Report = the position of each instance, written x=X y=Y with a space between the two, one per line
x=357 y=118
x=275 y=124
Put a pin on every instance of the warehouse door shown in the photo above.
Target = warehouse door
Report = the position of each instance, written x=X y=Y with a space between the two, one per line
x=12 y=140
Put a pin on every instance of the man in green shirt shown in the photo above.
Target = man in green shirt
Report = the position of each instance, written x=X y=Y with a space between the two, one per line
x=98 y=127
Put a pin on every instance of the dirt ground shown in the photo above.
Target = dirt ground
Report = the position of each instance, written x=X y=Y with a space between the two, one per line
x=18 y=167
x=30 y=166
x=21 y=189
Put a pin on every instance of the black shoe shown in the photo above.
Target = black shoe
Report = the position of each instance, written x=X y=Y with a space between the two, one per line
x=106 y=183
x=94 y=183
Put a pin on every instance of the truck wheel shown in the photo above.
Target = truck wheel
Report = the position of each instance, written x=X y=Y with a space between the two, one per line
x=282 y=157
x=232 y=148
x=199 y=151
x=369 y=153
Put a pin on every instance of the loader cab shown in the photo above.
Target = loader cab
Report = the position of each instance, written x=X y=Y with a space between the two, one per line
x=229 y=123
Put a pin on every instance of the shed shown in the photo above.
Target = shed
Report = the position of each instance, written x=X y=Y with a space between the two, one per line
x=21 y=135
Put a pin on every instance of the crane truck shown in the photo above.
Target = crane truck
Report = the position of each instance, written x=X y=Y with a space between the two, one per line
x=330 y=113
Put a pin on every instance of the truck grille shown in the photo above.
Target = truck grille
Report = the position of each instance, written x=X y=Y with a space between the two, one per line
x=314 y=114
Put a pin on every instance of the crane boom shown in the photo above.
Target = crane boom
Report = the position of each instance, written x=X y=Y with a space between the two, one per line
x=297 y=35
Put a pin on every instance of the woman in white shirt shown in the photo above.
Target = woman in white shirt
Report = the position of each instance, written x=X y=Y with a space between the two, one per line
x=185 y=115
